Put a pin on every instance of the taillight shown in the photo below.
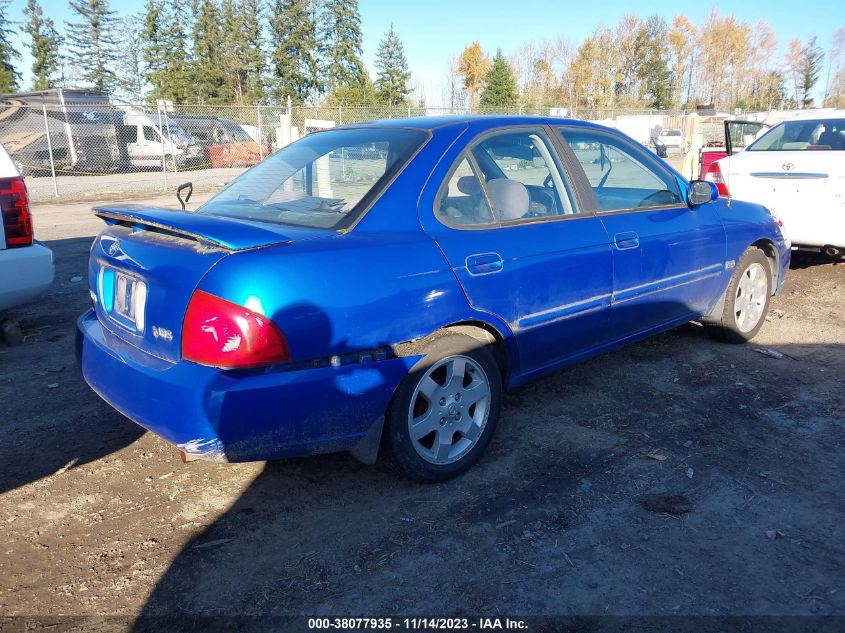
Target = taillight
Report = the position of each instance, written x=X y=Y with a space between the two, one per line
x=223 y=334
x=17 y=220
x=714 y=175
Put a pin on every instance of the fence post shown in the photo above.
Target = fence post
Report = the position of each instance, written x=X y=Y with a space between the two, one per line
x=260 y=135
x=340 y=114
x=170 y=142
x=70 y=144
x=50 y=149
x=409 y=112
x=163 y=165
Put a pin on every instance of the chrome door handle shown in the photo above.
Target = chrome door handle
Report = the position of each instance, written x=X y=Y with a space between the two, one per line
x=626 y=240
x=484 y=263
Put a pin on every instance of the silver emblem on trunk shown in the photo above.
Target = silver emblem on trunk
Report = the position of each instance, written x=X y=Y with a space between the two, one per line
x=788 y=166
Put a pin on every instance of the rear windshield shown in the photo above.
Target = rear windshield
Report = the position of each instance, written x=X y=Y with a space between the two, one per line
x=323 y=180
x=828 y=134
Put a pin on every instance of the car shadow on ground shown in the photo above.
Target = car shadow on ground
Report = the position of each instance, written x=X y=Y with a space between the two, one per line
x=801 y=259
x=51 y=420
x=329 y=536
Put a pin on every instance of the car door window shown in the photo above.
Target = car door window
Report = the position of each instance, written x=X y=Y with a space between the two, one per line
x=522 y=177
x=462 y=200
x=150 y=133
x=621 y=177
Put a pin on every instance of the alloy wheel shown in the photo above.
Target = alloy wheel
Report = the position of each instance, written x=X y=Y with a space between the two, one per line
x=751 y=294
x=449 y=409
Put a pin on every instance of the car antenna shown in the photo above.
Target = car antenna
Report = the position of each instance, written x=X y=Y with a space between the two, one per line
x=190 y=187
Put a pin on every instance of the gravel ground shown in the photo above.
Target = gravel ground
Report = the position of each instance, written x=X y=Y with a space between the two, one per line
x=101 y=518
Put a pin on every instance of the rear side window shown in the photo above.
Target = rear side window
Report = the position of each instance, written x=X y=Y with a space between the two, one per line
x=621 y=178
x=150 y=133
x=802 y=135
x=462 y=200
x=323 y=180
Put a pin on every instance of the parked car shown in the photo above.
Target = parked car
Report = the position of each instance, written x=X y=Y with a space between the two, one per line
x=146 y=142
x=672 y=138
x=737 y=135
x=26 y=267
x=303 y=311
x=797 y=169
x=226 y=143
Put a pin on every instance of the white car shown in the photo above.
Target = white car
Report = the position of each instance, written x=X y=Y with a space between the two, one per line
x=797 y=170
x=672 y=138
x=26 y=267
x=145 y=142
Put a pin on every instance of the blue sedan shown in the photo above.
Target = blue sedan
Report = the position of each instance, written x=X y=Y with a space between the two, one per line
x=375 y=288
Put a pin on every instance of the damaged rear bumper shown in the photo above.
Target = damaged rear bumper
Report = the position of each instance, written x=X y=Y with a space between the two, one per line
x=229 y=416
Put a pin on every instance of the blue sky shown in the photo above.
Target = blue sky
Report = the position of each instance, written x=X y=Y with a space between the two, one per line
x=434 y=30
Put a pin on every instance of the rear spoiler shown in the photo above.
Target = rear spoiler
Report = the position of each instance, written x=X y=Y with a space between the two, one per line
x=229 y=233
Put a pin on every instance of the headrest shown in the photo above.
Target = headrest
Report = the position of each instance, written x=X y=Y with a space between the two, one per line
x=509 y=197
x=469 y=185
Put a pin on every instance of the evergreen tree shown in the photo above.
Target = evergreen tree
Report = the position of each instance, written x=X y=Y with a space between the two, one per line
x=179 y=81
x=252 y=54
x=166 y=56
x=154 y=46
x=92 y=42
x=294 y=58
x=9 y=76
x=45 y=42
x=653 y=67
x=811 y=66
x=130 y=60
x=499 y=90
x=341 y=42
x=233 y=67
x=393 y=75
x=209 y=73
x=361 y=93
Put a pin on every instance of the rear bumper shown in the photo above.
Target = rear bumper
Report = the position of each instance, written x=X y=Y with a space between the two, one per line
x=226 y=416
x=24 y=274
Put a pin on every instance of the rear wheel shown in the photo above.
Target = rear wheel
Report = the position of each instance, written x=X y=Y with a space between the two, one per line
x=445 y=411
x=746 y=299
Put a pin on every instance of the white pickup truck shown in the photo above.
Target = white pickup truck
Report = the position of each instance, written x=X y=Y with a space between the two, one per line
x=26 y=267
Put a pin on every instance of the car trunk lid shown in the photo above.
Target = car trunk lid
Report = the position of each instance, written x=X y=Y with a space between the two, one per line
x=146 y=264
x=793 y=184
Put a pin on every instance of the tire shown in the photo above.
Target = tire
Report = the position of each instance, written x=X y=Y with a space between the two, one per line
x=435 y=430
x=746 y=299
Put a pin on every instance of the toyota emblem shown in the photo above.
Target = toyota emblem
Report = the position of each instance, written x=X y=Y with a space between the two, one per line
x=788 y=166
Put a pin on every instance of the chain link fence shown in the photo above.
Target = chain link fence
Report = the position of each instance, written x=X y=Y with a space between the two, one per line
x=79 y=151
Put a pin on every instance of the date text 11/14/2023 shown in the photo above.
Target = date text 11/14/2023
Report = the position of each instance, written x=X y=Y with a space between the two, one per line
x=418 y=624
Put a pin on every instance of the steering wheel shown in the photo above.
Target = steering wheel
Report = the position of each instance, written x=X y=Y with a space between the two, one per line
x=663 y=196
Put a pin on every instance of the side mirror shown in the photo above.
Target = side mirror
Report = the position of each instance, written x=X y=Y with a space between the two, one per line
x=701 y=192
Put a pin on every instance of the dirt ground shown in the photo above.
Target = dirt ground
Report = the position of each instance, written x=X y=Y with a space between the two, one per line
x=101 y=518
